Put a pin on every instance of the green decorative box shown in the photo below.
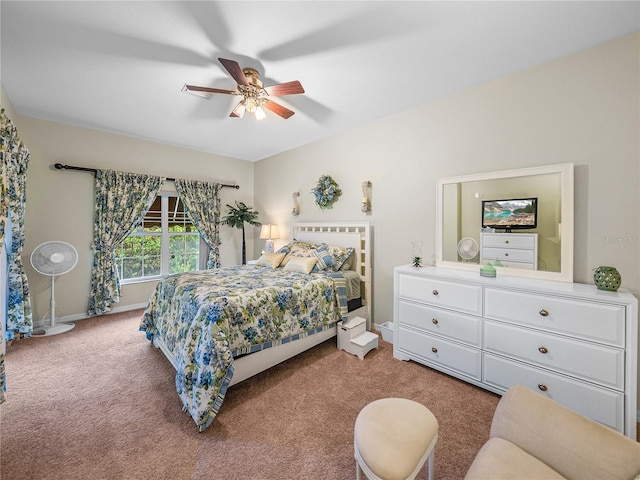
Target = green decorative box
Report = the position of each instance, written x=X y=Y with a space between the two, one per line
x=488 y=270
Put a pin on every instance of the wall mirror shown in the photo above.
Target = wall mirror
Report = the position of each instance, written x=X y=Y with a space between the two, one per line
x=496 y=199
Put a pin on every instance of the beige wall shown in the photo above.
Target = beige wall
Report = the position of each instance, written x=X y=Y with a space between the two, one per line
x=60 y=202
x=582 y=109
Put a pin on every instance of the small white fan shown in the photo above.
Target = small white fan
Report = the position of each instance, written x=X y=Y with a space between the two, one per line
x=467 y=248
x=53 y=259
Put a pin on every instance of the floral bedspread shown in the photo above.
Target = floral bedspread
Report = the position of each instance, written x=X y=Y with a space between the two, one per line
x=207 y=318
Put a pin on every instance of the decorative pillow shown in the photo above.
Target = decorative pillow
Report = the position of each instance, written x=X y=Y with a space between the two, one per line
x=270 y=259
x=297 y=249
x=325 y=259
x=300 y=249
x=300 y=264
x=286 y=249
x=340 y=256
x=348 y=262
x=296 y=244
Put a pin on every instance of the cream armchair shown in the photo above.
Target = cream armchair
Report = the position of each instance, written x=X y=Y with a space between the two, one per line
x=533 y=437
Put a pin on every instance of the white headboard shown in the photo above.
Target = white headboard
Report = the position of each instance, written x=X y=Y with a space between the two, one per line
x=344 y=234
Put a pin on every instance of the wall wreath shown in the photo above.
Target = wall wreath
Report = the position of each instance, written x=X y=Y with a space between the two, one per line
x=326 y=191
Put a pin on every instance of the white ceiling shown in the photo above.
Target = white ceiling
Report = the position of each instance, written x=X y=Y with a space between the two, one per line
x=120 y=66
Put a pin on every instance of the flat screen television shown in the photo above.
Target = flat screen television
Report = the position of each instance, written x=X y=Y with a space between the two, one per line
x=509 y=214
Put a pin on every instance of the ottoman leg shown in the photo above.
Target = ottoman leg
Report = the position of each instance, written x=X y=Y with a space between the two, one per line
x=430 y=461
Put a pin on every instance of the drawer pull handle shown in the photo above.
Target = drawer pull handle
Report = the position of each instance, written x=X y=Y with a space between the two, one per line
x=434 y=321
x=506 y=254
x=544 y=312
x=543 y=387
x=434 y=349
x=435 y=292
x=543 y=350
x=506 y=241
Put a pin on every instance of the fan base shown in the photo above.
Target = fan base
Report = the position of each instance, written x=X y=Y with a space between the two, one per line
x=53 y=330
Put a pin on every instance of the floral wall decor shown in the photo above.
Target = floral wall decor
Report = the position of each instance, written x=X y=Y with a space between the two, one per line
x=326 y=192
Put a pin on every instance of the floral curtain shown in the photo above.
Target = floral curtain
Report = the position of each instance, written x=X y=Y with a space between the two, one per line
x=14 y=160
x=4 y=209
x=4 y=175
x=202 y=201
x=121 y=202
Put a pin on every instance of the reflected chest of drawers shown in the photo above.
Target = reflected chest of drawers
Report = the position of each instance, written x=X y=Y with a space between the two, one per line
x=567 y=341
x=517 y=250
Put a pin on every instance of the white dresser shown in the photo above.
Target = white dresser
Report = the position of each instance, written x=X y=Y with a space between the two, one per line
x=568 y=341
x=517 y=250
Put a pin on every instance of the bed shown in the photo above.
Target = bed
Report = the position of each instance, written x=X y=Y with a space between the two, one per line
x=219 y=327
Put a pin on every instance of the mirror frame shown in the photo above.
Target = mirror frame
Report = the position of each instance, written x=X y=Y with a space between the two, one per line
x=565 y=170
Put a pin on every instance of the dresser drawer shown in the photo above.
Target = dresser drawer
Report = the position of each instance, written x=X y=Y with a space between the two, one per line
x=436 y=351
x=522 y=241
x=457 y=296
x=588 y=320
x=595 y=363
x=521 y=266
x=511 y=255
x=457 y=326
x=600 y=404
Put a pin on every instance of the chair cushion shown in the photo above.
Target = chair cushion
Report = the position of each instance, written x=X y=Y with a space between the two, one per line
x=392 y=436
x=500 y=459
x=571 y=444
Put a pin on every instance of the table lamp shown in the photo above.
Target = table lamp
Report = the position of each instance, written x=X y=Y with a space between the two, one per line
x=269 y=232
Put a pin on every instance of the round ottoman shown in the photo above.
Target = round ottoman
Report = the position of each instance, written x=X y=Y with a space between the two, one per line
x=393 y=438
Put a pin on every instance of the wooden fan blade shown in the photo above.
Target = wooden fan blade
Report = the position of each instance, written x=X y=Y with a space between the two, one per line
x=278 y=109
x=234 y=70
x=289 y=88
x=195 y=88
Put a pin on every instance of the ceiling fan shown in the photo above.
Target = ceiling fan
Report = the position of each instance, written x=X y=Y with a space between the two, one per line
x=254 y=94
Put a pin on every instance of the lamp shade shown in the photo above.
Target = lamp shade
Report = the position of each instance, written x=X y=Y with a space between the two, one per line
x=270 y=232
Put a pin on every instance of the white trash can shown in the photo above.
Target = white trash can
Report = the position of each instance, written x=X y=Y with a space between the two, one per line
x=387 y=331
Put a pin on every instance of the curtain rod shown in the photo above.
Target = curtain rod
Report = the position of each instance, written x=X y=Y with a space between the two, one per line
x=59 y=166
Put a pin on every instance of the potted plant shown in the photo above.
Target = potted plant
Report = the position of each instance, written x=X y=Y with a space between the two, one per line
x=237 y=217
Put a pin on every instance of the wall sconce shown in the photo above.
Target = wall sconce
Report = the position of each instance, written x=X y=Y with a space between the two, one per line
x=296 y=207
x=269 y=232
x=366 y=196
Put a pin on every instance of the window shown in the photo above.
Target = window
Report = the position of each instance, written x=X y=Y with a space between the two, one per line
x=165 y=242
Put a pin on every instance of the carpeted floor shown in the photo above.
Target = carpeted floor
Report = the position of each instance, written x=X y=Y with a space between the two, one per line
x=99 y=402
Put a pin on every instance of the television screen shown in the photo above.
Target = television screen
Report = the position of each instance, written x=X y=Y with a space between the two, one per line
x=510 y=213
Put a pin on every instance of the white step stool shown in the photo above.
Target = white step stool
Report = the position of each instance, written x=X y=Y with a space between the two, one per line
x=354 y=338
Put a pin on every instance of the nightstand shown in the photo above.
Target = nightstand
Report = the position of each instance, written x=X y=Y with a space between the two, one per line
x=354 y=338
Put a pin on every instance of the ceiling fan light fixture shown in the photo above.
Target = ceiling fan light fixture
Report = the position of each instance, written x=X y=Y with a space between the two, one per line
x=255 y=97
x=251 y=104
x=260 y=115
x=239 y=110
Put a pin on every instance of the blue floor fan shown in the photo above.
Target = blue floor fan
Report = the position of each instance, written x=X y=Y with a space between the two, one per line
x=52 y=259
